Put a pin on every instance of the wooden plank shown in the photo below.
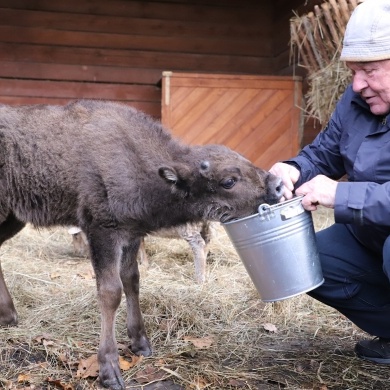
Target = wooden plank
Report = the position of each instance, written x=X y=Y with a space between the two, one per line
x=181 y=77
x=235 y=82
x=127 y=25
x=134 y=58
x=193 y=80
x=207 y=45
x=261 y=124
x=246 y=120
x=279 y=120
x=241 y=116
x=208 y=13
x=74 y=90
x=204 y=117
x=224 y=113
x=36 y=70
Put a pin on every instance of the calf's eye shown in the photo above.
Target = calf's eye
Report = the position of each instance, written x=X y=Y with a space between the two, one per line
x=228 y=183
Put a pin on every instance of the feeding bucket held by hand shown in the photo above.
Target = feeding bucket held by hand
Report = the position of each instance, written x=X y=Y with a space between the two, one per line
x=278 y=248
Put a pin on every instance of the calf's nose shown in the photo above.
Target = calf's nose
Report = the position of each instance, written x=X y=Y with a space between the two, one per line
x=276 y=186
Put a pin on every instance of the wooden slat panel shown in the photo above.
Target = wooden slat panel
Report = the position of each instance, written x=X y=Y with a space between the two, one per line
x=132 y=59
x=70 y=21
x=212 y=13
x=73 y=90
x=207 y=45
x=255 y=120
x=262 y=122
x=50 y=71
x=193 y=80
x=273 y=126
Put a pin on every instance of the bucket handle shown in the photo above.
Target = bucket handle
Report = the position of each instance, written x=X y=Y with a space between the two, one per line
x=265 y=212
x=293 y=209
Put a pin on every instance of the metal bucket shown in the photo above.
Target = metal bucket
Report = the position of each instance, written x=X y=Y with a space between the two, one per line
x=278 y=248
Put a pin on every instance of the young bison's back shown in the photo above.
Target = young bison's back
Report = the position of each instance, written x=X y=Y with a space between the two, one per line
x=46 y=152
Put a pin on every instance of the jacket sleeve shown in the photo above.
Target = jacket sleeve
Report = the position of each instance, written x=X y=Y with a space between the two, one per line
x=322 y=156
x=362 y=203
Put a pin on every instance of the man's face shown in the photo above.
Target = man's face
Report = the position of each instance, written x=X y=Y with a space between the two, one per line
x=372 y=81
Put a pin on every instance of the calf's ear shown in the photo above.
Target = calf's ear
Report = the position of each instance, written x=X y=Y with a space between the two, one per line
x=174 y=175
x=169 y=174
x=178 y=177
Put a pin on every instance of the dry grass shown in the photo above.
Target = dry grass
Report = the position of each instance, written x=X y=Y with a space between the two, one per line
x=59 y=323
x=325 y=89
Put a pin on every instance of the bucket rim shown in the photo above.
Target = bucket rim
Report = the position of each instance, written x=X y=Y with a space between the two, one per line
x=273 y=207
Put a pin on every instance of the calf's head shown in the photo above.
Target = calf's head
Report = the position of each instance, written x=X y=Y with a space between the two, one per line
x=221 y=184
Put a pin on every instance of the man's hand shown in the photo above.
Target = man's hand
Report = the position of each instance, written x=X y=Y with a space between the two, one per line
x=318 y=191
x=289 y=176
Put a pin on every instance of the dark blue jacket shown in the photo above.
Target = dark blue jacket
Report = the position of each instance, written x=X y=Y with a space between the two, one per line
x=355 y=143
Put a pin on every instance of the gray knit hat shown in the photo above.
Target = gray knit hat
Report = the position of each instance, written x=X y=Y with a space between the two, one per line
x=367 y=36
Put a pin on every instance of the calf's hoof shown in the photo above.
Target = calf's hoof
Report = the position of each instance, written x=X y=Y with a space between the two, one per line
x=113 y=384
x=141 y=347
x=8 y=318
x=110 y=375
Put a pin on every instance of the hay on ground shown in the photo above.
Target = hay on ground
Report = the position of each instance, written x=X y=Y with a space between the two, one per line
x=311 y=346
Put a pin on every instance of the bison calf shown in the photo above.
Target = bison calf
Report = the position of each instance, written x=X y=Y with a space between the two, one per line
x=118 y=175
x=197 y=235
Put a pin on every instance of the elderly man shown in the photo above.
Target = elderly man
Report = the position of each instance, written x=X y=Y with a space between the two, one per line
x=355 y=251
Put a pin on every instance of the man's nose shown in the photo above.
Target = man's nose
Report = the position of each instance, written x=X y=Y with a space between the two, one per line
x=358 y=82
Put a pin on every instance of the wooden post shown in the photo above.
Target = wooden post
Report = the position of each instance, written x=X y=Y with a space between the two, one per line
x=337 y=17
x=330 y=23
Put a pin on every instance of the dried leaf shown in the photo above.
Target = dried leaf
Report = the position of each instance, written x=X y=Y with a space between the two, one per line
x=47 y=343
x=126 y=365
x=40 y=338
x=237 y=383
x=88 y=368
x=150 y=374
x=23 y=378
x=270 y=327
x=88 y=275
x=200 y=383
x=200 y=343
x=59 y=384
x=63 y=357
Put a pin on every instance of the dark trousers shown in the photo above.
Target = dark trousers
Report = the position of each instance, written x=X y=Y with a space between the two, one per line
x=357 y=281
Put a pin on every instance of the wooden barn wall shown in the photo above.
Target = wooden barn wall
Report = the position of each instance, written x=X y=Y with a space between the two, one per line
x=54 y=50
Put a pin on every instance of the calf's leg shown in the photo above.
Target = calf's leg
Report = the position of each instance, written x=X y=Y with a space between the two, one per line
x=140 y=344
x=105 y=255
x=8 y=315
x=143 y=256
x=199 y=250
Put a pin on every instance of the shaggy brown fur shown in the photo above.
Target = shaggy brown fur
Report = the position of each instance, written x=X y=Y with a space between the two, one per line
x=118 y=175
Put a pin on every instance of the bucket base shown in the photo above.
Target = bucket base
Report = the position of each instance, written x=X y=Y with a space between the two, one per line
x=293 y=295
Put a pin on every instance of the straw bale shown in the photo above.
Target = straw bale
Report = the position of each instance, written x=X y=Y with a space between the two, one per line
x=316 y=41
